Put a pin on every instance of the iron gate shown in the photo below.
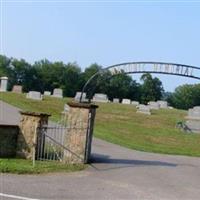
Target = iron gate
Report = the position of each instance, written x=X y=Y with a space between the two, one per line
x=51 y=143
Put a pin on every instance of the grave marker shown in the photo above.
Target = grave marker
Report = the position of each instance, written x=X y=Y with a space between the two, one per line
x=78 y=96
x=115 y=100
x=34 y=95
x=98 y=97
x=57 y=92
x=17 y=89
x=154 y=105
x=47 y=93
x=193 y=119
x=144 y=109
x=126 y=101
x=135 y=103
x=163 y=104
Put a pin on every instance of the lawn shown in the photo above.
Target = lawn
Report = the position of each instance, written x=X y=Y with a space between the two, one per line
x=120 y=124
x=22 y=166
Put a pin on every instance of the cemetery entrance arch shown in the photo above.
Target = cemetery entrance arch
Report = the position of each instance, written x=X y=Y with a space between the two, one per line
x=146 y=67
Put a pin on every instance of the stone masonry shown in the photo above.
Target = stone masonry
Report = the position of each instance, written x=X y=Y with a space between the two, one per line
x=8 y=140
x=78 y=139
x=30 y=121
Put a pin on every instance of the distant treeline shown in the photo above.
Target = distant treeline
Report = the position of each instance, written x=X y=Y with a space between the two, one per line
x=44 y=75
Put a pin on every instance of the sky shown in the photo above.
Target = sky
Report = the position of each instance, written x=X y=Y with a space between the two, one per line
x=103 y=32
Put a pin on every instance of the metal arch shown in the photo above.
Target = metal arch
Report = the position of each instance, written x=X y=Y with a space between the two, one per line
x=151 y=71
x=151 y=62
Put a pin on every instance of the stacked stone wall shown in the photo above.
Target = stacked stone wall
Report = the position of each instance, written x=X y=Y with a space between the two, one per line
x=8 y=140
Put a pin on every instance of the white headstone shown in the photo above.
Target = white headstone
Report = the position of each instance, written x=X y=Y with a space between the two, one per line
x=193 y=119
x=4 y=84
x=115 y=100
x=57 y=92
x=126 y=101
x=144 y=109
x=194 y=112
x=98 y=97
x=34 y=95
x=47 y=93
x=154 y=105
x=78 y=96
x=135 y=103
x=163 y=104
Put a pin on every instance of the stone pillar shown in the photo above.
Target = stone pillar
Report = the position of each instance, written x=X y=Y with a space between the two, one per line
x=28 y=134
x=4 y=84
x=78 y=139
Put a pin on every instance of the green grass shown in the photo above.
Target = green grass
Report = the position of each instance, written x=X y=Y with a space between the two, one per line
x=21 y=166
x=120 y=124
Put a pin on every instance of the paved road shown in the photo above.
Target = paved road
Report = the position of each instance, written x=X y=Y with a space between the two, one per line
x=9 y=114
x=117 y=173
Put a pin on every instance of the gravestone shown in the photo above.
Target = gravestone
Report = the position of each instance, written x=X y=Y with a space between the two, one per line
x=193 y=119
x=34 y=95
x=78 y=96
x=126 y=101
x=47 y=93
x=163 y=104
x=57 y=92
x=135 y=103
x=170 y=107
x=102 y=98
x=115 y=100
x=4 y=84
x=17 y=89
x=144 y=109
x=154 y=105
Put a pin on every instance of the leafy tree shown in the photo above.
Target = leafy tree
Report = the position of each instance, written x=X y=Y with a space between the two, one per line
x=166 y=95
x=185 y=96
x=70 y=79
x=91 y=70
x=20 y=74
x=4 y=65
x=122 y=86
x=96 y=84
x=151 y=88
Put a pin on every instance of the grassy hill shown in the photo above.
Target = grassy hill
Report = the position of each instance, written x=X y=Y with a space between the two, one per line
x=121 y=124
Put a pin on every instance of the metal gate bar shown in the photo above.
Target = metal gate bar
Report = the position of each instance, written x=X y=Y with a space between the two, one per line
x=51 y=143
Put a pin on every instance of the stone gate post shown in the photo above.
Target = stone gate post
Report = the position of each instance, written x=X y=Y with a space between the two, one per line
x=78 y=139
x=29 y=124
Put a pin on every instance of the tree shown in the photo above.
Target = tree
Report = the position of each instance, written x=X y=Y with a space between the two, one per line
x=122 y=86
x=70 y=79
x=48 y=75
x=5 y=69
x=4 y=65
x=20 y=74
x=91 y=70
x=96 y=84
x=185 y=96
x=151 y=89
